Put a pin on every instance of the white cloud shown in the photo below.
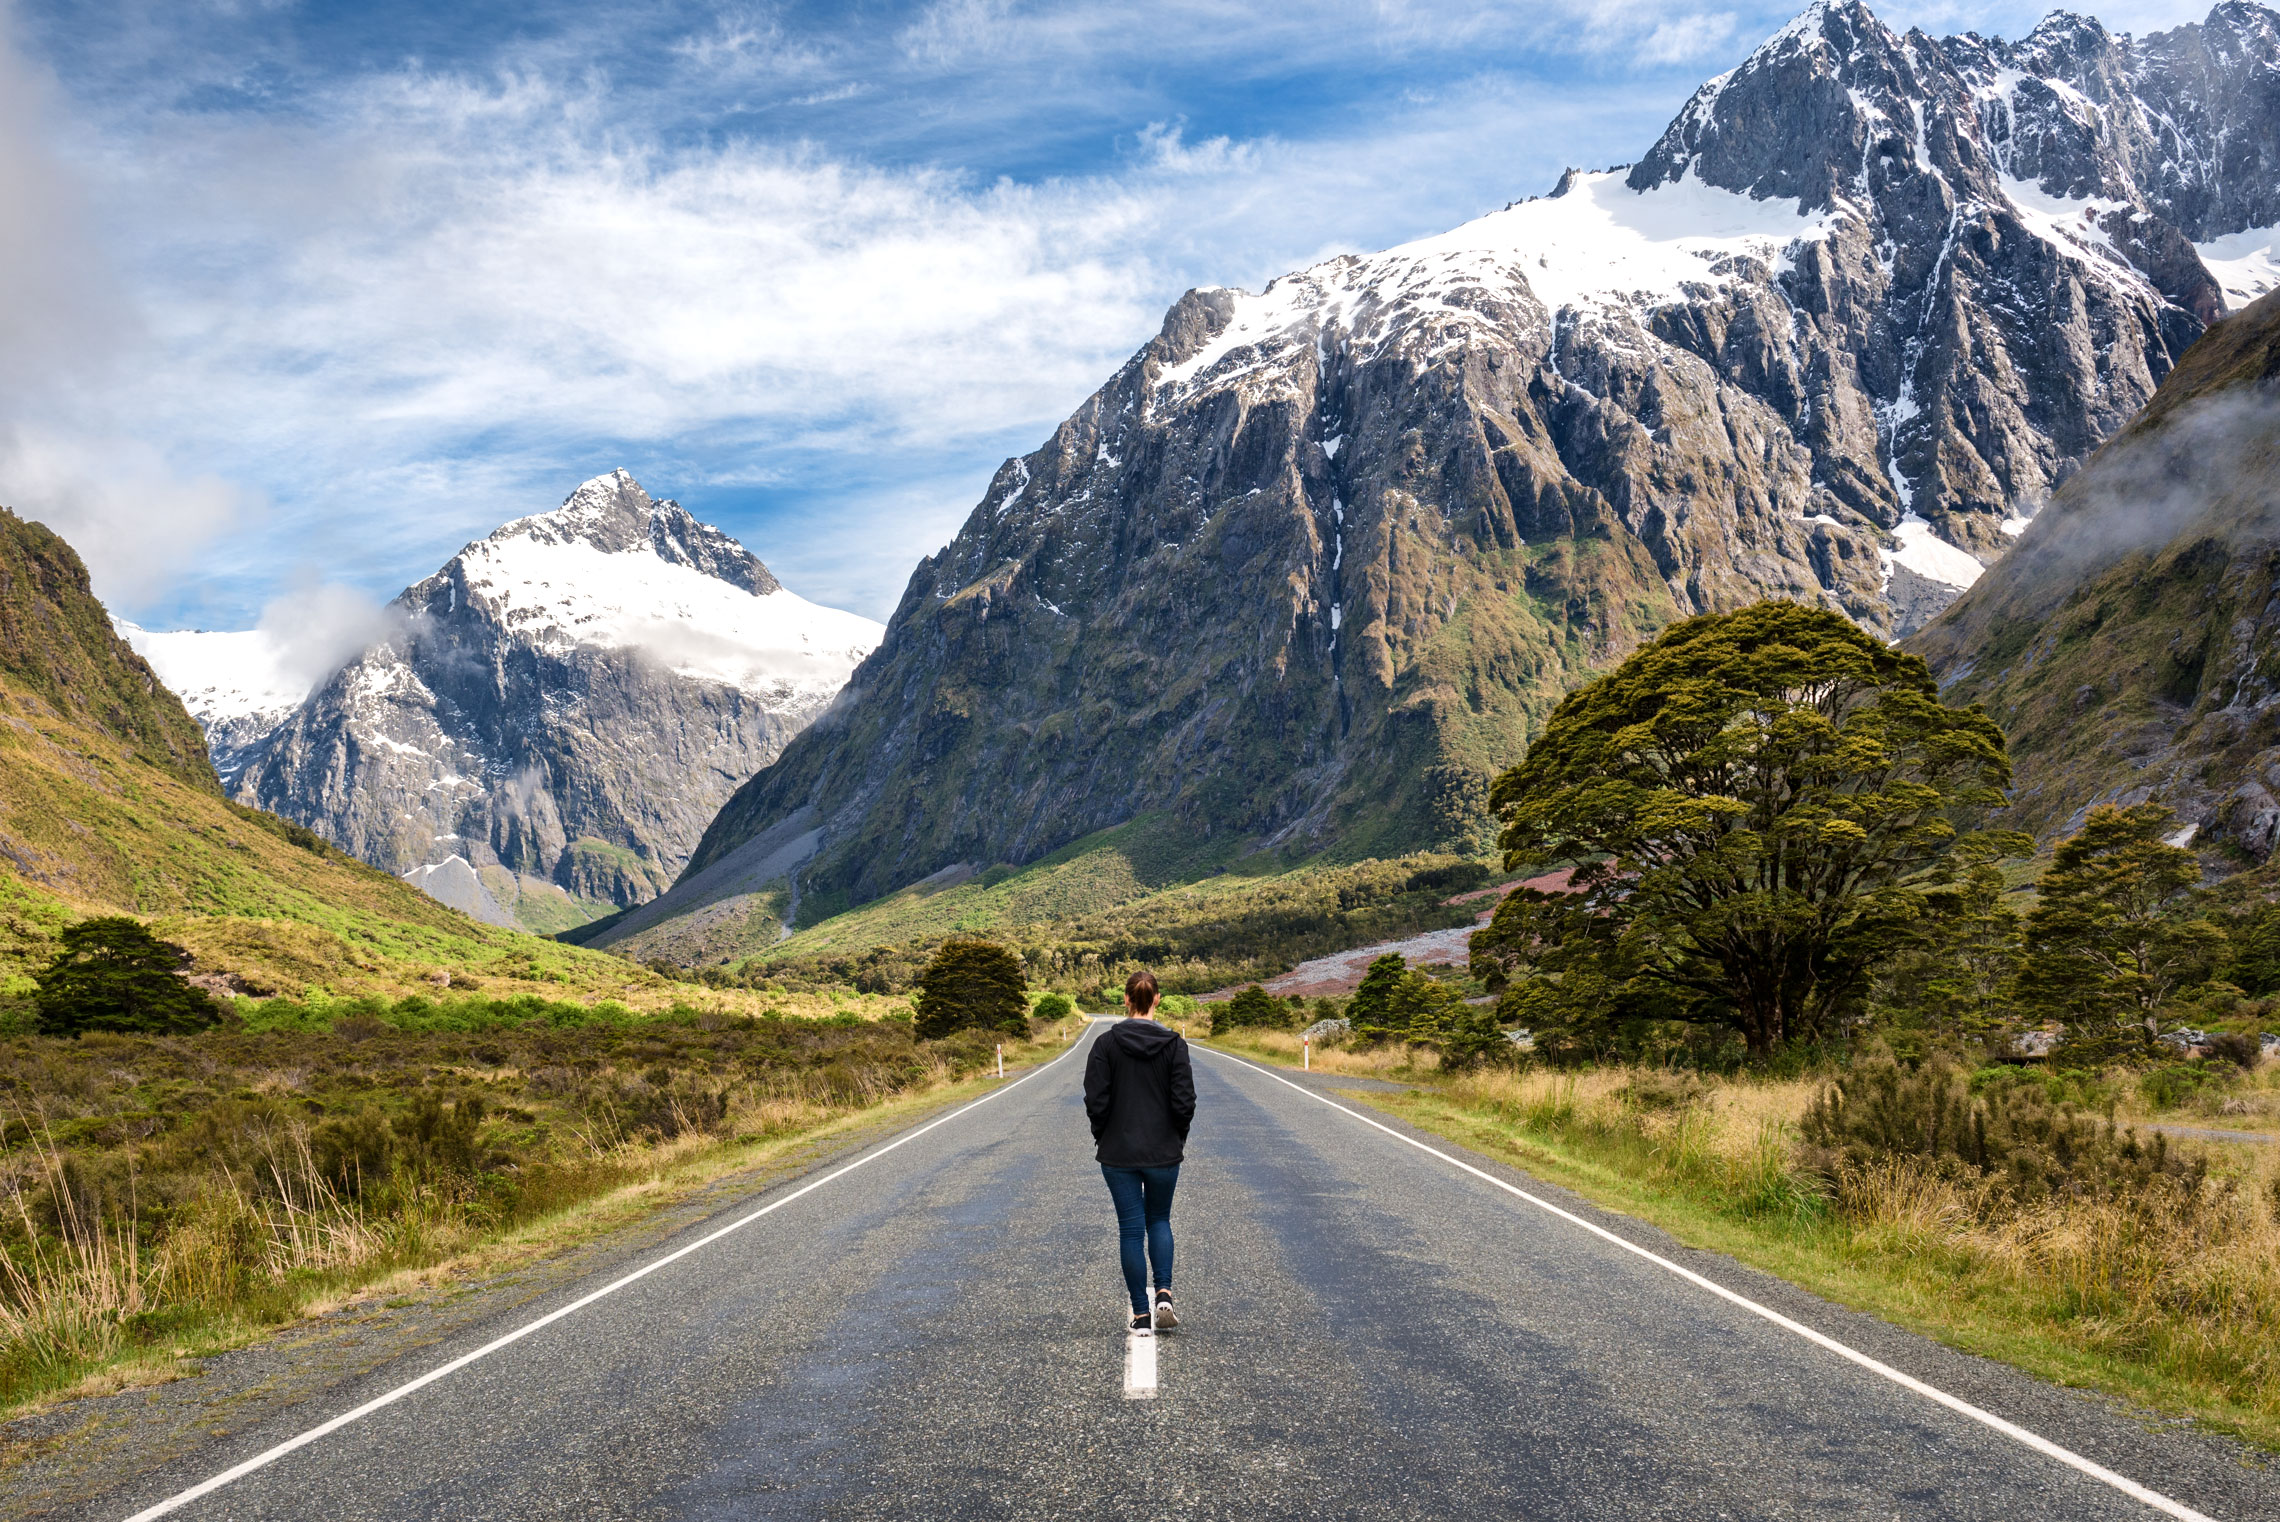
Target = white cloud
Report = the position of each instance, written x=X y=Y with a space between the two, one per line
x=318 y=625
x=138 y=524
x=1685 y=37
x=429 y=301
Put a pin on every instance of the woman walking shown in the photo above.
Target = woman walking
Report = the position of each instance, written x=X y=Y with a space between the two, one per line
x=1140 y=1096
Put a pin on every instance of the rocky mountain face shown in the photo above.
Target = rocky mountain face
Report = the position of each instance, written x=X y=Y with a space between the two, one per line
x=2130 y=644
x=1313 y=564
x=553 y=717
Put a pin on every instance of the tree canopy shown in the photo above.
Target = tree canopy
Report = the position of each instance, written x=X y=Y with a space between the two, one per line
x=2115 y=933
x=969 y=984
x=1752 y=805
x=112 y=974
x=1253 y=1006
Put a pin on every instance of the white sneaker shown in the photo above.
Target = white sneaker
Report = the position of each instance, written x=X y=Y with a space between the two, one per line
x=1165 y=1320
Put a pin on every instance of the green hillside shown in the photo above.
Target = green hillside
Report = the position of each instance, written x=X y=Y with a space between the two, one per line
x=108 y=804
x=2129 y=644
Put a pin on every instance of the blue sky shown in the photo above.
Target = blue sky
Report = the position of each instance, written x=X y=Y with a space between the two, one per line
x=299 y=297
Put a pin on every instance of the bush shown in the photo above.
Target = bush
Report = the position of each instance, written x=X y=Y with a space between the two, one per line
x=1054 y=1007
x=1476 y=1040
x=2243 y=1052
x=1371 y=1008
x=972 y=985
x=2012 y=1134
x=112 y=974
x=1463 y=877
x=2176 y=1083
x=1254 y=1006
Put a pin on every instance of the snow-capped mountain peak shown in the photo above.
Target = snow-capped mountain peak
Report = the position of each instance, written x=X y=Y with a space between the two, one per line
x=613 y=514
x=542 y=729
x=614 y=569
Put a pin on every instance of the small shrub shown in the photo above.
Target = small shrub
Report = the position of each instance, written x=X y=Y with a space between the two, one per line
x=2179 y=1083
x=1054 y=1007
x=2030 y=1148
x=1475 y=1041
x=1657 y=1090
x=2243 y=1052
x=439 y=1141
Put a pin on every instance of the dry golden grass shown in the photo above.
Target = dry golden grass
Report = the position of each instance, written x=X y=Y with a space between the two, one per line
x=1392 y=1061
x=2171 y=1295
x=93 y=1300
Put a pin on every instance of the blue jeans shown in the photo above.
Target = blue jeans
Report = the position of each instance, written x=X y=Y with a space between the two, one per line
x=1143 y=1225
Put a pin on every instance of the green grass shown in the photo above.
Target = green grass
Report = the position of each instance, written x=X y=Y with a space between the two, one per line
x=1102 y=871
x=1085 y=918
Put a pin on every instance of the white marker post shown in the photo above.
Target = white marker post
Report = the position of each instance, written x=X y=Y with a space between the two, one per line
x=1306 y=1046
x=1001 y=1059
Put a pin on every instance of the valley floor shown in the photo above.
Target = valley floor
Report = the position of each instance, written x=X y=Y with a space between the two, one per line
x=1370 y=1331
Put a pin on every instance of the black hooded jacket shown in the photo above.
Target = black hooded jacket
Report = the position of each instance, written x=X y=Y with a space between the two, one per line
x=1140 y=1094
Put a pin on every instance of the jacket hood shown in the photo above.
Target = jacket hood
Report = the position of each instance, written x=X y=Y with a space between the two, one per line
x=1142 y=1038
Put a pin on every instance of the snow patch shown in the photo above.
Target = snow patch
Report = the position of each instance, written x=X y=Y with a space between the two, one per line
x=2246 y=264
x=1923 y=551
x=2072 y=227
x=1600 y=246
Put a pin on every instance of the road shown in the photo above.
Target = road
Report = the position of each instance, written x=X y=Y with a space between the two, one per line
x=1372 y=1332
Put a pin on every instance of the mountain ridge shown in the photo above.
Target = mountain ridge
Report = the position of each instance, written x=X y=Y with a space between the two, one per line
x=1316 y=560
x=2123 y=644
x=544 y=725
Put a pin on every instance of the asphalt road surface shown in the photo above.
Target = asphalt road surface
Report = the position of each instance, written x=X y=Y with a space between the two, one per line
x=1370 y=1331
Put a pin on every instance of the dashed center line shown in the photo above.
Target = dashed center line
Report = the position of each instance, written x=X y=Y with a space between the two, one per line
x=1139 y=1364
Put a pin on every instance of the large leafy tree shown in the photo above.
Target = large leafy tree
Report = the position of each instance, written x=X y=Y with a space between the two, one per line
x=112 y=974
x=2115 y=932
x=1751 y=805
x=972 y=983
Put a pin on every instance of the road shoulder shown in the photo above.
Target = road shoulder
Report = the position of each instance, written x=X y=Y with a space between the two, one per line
x=2213 y=1471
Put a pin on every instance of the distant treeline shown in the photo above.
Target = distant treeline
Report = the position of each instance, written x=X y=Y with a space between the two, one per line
x=1206 y=937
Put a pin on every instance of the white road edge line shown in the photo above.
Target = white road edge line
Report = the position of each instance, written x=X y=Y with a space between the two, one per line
x=1139 y=1365
x=271 y=1455
x=2011 y=1430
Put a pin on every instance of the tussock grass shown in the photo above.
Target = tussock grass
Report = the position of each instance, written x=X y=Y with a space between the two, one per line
x=1396 y=1061
x=167 y=1195
x=2168 y=1294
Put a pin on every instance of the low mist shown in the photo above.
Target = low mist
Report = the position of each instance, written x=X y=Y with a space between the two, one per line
x=319 y=627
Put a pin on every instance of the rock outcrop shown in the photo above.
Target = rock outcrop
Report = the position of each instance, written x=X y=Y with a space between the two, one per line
x=1317 y=560
x=556 y=714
